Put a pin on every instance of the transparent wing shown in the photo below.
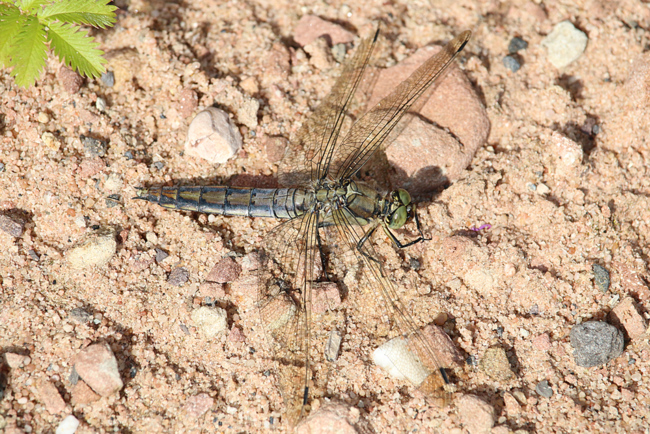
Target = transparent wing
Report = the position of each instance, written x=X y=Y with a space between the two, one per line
x=382 y=291
x=290 y=255
x=370 y=131
x=312 y=148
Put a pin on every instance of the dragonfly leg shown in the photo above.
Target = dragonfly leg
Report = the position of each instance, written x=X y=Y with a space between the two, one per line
x=410 y=243
x=363 y=240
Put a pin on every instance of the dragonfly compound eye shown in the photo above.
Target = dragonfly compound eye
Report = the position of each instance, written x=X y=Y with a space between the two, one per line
x=398 y=218
x=404 y=196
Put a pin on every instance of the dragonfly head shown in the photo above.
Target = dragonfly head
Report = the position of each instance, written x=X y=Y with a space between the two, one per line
x=400 y=209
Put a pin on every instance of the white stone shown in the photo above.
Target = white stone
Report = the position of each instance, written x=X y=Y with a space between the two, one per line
x=210 y=320
x=212 y=136
x=68 y=425
x=565 y=44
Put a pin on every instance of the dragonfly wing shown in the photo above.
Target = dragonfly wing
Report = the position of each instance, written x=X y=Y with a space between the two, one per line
x=382 y=292
x=369 y=133
x=315 y=142
x=287 y=274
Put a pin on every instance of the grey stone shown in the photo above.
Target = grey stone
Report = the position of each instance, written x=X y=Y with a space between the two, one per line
x=544 y=389
x=595 y=343
x=601 y=277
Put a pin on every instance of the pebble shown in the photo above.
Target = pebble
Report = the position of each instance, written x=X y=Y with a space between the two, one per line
x=475 y=414
x=544 y=389
x=212 y=136
x=11 y=226
x=108 y=79
x=330 y=418
x=161 y=255
x=97 y=366
x=50 y=397
x=50 y=141
x=100 y=104
x=68 y=425
x=43 y=118
x=511 y=404
x=275 y=148
x=211 y=290
x=210 y=320
x=443 y=347
x=627 y=315
x=80 y=315
x=333 y=346
x=517 y=44
x=595 y=343
x=511 y=63
x=82 y=394
x=70 y=80
x=542 y=342
x=188 y=101
x=14 y=360
x=93 y=147
x=196 y=406
x=565 y=44
x=96 y=250
x=311 y=27
x=437 y=145
x=496 y=365
x=601 y=277
x=325 y=296
x=179 y=276
x=225 y=271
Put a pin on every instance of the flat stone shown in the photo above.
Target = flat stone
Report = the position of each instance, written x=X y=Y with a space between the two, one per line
x=12 y=226
x=50 y=397
x=311 y=27
x=225 y=271
x=14 y=360
x=212 y=136
x=210 y=320
x=565 y=44
x=96 y=250
x=453 y=115
x=475 y=414
x=446 y=352
x=496 y=365
x=595 y=343
x=178 y=276
x=97 y=366
x=512 y=406
x=601 y=277
x=544 y=389
x=626 y=314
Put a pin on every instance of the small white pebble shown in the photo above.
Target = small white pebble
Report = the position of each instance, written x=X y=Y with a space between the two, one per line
x=100 y=104
x=68 y=425
x=395 y=358
x=43 y=118
x=211 y=320
x=565 y=44
x=524 y=333
x=542 y=189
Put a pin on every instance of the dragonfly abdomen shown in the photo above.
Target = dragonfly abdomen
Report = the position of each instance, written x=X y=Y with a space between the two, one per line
x=282 y=203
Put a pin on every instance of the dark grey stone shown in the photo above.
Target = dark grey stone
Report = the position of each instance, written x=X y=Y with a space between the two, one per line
x=595 y=343
x=178 y=277
x=601 y=277
x=94 y=147
x=511 y=63
x=517 y=44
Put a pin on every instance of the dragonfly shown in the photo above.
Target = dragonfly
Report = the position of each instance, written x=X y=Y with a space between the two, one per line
x=330 y=216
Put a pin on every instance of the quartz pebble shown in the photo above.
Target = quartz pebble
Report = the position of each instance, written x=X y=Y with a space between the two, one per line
x=11 y=226
x=565 y=44
x=476 y=415
x=595 y=343
x=97 y=249
x=544 y=389
x=68 y=425
x=212 y=136
x=210 y=320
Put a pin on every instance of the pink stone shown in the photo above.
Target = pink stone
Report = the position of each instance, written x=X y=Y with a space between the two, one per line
x=188 y=101
x=82 y=394
x=50 y=397
x=196 y=406
x=311 y=27
x=97 y=366
x=331 y=418
x=211 y=289
x=542 y=342
x=226 y=270
x=475 y=414
x=70 y=80
x=443 y=347
x=325 y=296
x=212 y=136
x=454 y=105
x=626 y=314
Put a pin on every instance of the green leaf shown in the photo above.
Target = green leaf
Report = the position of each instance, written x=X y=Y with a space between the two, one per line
x=75 y=49
x=97 y=13
x=11 y=22
x=28 y=53
x=30 y=5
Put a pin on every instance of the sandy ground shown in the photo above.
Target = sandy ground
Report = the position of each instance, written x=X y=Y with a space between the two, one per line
x=562 y=180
